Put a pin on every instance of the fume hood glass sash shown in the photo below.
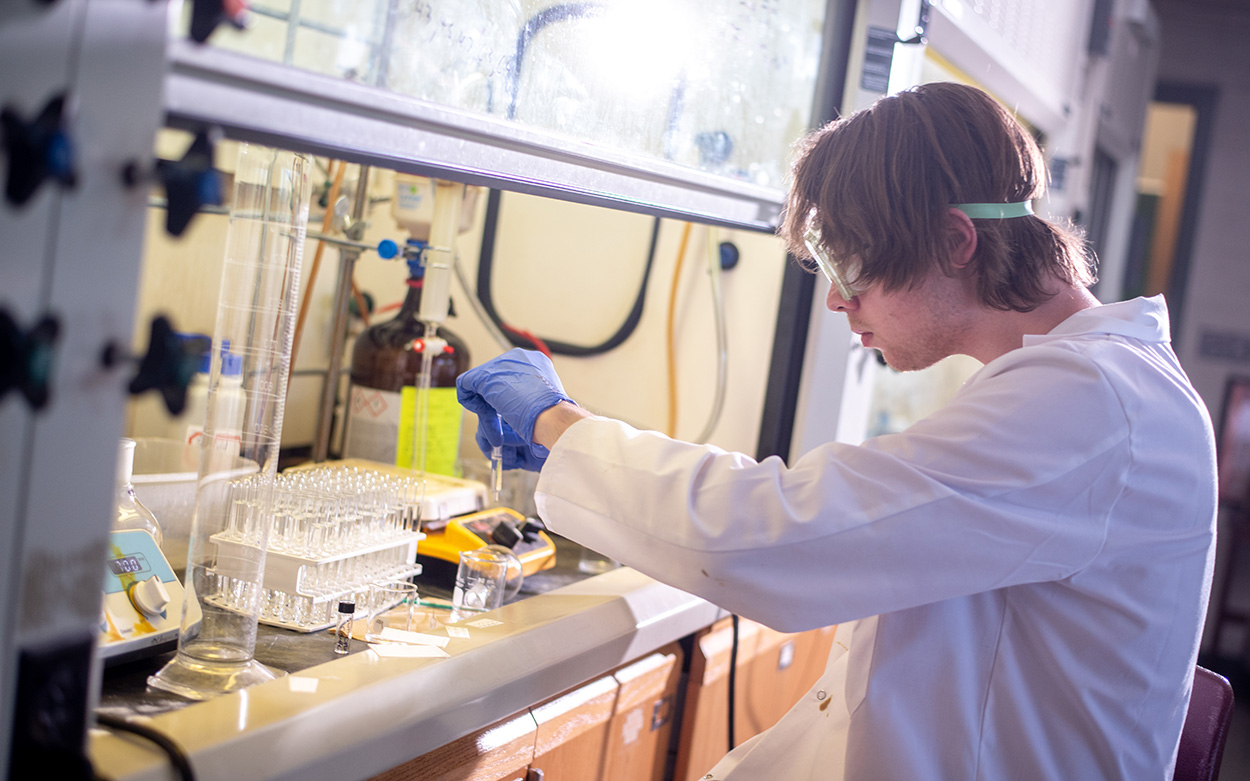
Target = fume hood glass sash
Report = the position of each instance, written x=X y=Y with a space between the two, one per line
x=681 y=108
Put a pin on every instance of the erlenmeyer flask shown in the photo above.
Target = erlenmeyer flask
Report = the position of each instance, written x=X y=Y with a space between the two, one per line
x=256 y=317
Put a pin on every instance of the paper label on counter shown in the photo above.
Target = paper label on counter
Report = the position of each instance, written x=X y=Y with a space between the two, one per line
x=405 y=651
x=391 y=634
x=483 y=623
x=458 y=632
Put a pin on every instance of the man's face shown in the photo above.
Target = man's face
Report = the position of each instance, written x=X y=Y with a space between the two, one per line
x=913 y=328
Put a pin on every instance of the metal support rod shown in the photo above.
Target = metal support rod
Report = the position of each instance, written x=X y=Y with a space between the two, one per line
x=335 y=241
x=338 y=339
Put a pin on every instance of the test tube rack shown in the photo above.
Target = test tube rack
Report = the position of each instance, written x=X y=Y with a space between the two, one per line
x=327 y=533
x=301 y=593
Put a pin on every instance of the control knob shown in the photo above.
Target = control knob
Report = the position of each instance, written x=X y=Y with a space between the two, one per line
x=149 y=596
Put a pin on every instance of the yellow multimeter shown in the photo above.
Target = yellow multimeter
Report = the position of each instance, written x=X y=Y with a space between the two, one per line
x=439 y=552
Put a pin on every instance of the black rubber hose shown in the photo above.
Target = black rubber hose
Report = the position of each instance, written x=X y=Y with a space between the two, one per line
x=486 y=262
x=177 y=757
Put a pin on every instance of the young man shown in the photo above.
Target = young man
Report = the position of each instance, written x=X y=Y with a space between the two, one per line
x=1020 y=579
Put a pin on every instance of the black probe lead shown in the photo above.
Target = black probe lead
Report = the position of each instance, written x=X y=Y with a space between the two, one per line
x=177 y=757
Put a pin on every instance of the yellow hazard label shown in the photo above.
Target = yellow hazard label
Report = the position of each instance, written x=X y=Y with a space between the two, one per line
x=442 y=440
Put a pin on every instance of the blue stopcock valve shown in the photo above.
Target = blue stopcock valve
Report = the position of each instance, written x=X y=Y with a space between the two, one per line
x=387 y=249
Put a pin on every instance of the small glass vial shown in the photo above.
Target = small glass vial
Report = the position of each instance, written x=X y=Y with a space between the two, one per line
x=343 y=629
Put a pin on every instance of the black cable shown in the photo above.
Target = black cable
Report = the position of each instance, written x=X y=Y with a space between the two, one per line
x=533 y=26
x=733 y=678
x=177 y=757
x=485 y=263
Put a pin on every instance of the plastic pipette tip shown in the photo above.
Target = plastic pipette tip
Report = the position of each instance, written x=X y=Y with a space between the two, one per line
x=496 y=473
x=496 y=463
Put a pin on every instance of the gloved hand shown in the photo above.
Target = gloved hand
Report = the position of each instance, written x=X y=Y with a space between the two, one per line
x=518 y=386
x=517 y=453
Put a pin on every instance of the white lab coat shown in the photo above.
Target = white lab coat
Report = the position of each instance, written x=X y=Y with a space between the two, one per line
x=1020 y=579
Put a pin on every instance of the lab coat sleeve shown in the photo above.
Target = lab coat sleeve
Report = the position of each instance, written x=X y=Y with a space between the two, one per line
x=1010 y=483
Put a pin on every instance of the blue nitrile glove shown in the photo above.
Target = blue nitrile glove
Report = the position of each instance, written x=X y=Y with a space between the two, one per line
x=517 y=453
x=518 y=386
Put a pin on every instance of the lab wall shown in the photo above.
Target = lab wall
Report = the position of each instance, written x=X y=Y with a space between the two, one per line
x=561 y=270
x=1207 y=48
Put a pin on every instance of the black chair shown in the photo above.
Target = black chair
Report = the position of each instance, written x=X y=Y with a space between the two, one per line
x=1206 y=728
x=1233 y=439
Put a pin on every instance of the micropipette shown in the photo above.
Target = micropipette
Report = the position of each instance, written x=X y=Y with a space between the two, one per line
x=496 y=463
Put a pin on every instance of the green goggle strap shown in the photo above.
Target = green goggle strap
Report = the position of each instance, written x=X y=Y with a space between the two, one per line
x=995 y=211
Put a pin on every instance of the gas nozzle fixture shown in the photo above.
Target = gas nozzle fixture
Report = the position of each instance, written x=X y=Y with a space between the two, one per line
x=38 y=149
x=168 y=366
x=190 y=182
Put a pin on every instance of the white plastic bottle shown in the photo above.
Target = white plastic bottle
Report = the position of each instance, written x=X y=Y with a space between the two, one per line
x=229 y=402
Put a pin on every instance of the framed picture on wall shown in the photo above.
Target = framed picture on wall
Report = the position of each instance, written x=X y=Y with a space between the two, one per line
x=1233 y=442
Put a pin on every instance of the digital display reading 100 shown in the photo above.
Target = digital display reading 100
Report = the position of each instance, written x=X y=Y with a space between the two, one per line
x=125 y=565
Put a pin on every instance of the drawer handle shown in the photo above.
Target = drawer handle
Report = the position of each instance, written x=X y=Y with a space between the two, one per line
x=661 y=713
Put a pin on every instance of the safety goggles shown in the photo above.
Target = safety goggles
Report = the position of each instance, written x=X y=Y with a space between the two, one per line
x=839 y=275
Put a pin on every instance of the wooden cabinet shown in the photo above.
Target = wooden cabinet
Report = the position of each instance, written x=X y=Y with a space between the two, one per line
x=618 y=727
x=774 y=670
x=780 y=670
x=500 y=752
x=638 y=736
x=573 y=731
x=562 y=739
x=704 y=725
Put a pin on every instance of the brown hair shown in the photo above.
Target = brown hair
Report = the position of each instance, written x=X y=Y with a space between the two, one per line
x=878 y=184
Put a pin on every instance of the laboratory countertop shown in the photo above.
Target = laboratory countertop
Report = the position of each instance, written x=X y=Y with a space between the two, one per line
x=351 y=717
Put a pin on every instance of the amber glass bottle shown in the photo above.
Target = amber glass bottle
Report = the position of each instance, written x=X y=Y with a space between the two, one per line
x=382 y=403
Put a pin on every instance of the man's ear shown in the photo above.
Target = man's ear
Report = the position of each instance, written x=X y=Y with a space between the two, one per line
x=961 y=238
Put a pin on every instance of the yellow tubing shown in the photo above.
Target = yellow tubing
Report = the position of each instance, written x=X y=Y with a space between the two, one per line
x=670 y=335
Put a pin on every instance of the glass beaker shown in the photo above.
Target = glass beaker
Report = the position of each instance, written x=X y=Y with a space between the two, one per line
x=481 y=580
x=256 y=318
x=391 y=604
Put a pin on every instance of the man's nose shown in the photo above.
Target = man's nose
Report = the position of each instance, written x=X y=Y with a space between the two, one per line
x=837 y=303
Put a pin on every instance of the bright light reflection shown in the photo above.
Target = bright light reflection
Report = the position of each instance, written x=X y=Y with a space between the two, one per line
x=242 y=725
x=639 y=48
x=352 y=55
x=954 y=8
